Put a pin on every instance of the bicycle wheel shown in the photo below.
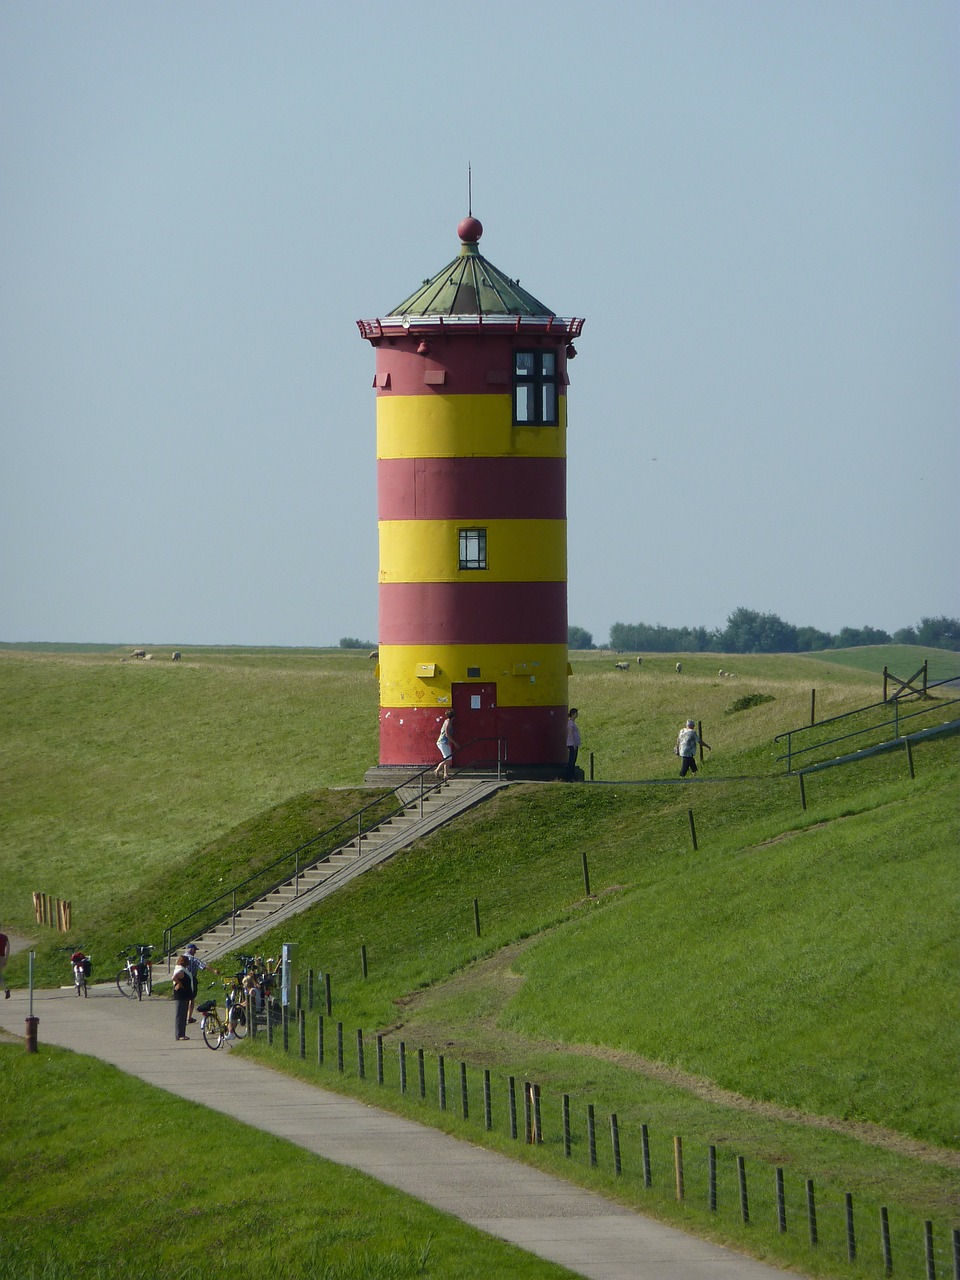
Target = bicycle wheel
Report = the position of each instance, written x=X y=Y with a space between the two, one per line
x=149 y=981
x=83 y=987
x=137 y=986
x=125 y=983
x=238 y=1021
x=212 y=1029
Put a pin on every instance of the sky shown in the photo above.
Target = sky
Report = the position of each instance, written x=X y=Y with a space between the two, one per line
x=754 y=204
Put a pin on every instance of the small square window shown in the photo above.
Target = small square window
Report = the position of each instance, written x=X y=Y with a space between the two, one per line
x=473 y=549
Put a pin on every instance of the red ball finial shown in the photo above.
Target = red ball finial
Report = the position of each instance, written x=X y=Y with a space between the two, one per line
x=470 y=230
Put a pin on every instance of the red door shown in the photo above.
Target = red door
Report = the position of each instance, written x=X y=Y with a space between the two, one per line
x=476 y=708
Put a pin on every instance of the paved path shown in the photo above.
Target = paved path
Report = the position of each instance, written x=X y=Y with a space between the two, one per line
x=548 y=1217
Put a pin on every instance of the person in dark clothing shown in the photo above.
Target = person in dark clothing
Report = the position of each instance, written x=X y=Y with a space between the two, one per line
x=182 y=996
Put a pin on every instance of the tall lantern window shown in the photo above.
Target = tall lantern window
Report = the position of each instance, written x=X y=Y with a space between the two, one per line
x=535 y=388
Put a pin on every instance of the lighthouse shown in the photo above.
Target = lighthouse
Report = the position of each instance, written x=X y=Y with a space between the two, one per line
x=471 y=391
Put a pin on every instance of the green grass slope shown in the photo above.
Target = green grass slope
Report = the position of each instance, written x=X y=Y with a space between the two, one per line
x=786 y=990
x=107 y=1177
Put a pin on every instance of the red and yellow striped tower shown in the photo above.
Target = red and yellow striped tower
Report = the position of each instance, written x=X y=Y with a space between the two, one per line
x=471 y=383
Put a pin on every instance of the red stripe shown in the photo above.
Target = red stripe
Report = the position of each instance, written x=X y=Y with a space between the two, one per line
x=472 y=488
x=473 y=613
x=474 y=364
x=531 y=735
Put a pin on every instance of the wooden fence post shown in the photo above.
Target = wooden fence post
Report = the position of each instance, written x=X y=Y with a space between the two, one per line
x=615 y=1143
x=487 y=1107
x=645 y=1152
x=885 y=1241
x=742 y=1180
x=693 y=830
x=565 y=1118
x=476 y=916
x=781 y=1203
x=812 y=1215
x=678 y=1164
x=592 y=1134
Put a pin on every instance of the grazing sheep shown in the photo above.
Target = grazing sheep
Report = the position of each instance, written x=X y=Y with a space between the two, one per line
x=639 y=662
x=139 y=653
x=722 y=672
x=622 y=666
x=176 y=655
x=679 y=667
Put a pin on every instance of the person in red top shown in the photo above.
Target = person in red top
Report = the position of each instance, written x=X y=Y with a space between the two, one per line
x=4 y=953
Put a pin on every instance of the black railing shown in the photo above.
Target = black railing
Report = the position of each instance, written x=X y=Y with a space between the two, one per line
x=873 y=725
x=297 y=860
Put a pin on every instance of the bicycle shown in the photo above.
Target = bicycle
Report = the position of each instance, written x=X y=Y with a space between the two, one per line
x=81 y=971
x=136 y=976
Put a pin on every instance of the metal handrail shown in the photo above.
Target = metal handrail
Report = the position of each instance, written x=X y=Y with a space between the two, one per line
x=897 y=720
x=302 y=865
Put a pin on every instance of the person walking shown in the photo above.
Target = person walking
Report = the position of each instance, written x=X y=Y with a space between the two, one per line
x=447 y=746
x=182 y=996
x=573 y=744
x=686 y=748
x=194 y=965
x=4 y=957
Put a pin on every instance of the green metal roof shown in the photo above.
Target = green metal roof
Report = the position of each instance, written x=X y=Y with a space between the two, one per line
x=470 y=286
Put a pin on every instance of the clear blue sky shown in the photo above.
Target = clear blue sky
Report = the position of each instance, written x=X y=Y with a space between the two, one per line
x=754 y=203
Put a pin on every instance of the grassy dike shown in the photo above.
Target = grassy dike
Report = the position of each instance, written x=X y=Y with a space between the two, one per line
x=785 y=994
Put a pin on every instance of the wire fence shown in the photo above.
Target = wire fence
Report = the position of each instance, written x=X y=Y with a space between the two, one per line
x=861 y=1235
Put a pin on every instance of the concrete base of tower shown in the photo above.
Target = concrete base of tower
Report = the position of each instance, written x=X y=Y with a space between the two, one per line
x=389 y=776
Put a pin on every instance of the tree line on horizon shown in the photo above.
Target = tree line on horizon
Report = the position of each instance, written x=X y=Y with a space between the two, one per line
x=748 y=631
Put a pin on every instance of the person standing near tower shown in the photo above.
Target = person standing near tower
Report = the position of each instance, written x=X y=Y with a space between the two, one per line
x=447 y=746
x=573 y=744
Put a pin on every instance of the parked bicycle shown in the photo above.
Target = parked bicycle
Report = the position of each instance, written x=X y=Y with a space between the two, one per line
x=82 y=966
x=135 y=979
x=233 y=1025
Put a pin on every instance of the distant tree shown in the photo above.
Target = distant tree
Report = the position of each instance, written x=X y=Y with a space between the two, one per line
x=852 y=637
x=809 y=639
x=350 y=642
x=939 y=633
x=578 y=638
x=906 y=635
x=750 y=632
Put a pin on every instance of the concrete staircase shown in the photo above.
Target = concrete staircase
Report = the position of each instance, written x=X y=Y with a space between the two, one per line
x=421 y=815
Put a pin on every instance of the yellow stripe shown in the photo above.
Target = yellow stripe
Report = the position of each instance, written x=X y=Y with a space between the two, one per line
x=525 y=675
x=429 y=551
x=433 y=426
